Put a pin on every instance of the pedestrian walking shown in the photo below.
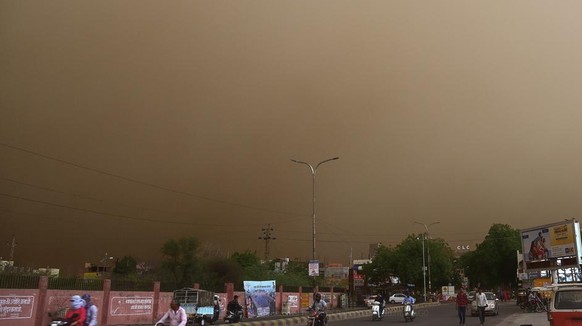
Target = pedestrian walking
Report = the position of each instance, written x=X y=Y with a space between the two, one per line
x=462 y=301
x=481 y=304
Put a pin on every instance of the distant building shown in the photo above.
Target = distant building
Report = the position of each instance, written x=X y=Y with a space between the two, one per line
x=50 y=272
x=281 y=264
x=6 y=264
x=95 y=272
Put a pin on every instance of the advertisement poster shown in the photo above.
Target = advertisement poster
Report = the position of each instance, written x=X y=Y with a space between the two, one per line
x=548 y=242
x=260 y=298
x=305 y=300
x=16 y=307
x=314 y=268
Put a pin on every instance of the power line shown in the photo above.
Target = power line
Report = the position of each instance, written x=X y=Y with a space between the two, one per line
x=112 y=214
x=100 y=200
x=117 y=176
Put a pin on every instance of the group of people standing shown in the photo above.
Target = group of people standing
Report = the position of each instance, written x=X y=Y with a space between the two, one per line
x=82 y=311
x=463 y=301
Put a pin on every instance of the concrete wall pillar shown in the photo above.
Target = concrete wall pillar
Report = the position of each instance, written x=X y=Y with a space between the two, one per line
x=156 y=301
x=42 y=293
x=229 y=289
x=106 y=298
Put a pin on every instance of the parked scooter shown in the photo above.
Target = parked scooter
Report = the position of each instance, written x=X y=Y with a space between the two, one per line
x=233 y=316
x=408 y=311
x=377 y=311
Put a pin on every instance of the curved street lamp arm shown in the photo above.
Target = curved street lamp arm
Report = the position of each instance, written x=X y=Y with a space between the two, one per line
x=329 y=159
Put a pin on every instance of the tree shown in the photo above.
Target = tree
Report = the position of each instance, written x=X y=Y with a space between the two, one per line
x=251 y=265
x=441 y=262
x=494 y=261
x=180 y=260
x=405 y=262
x=382 y=266
x=125 y=267
x=218 y=271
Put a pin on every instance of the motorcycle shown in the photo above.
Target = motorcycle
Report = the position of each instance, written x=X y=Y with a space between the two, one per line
x=233 y=317
x=204 y=315
x=63 y=321
x=316 y=318
x=408 y=312
x=536 y=305
x=376 y=314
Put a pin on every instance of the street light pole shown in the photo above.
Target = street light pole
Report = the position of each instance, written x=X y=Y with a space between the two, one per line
x=423 y=269
x=313 y=173
x=428 y=256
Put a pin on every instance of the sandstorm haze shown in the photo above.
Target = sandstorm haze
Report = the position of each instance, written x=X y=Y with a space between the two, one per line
x=126 y=123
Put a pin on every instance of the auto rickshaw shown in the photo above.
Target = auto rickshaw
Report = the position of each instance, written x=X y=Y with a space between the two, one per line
x=198 y=304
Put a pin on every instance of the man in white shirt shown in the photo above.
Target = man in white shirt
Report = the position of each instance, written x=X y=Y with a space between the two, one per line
x=176 y=315
x=481 y=305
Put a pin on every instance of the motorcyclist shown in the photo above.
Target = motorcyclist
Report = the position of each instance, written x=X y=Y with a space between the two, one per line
x=216 y=304
x=409 y=299
x=76 y=312
x=233 y=305
x=380 y=299
x=319 y=305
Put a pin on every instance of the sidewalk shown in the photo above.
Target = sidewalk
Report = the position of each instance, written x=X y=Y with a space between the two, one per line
x=527 y=319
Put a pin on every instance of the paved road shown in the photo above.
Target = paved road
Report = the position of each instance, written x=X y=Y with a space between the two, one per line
x=435 y=314
x=446 y=314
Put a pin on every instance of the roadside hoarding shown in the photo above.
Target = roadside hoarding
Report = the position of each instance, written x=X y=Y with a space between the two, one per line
x=551 y=247
x=314 y=268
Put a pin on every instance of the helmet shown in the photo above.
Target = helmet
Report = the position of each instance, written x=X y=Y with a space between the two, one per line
x=76 y=302
x=216 y=297
x=318 y=295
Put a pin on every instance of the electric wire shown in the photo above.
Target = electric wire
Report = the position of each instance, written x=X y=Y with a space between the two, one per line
x=151 y=185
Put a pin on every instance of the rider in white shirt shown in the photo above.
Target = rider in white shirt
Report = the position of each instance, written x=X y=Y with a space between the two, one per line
x=176 y=315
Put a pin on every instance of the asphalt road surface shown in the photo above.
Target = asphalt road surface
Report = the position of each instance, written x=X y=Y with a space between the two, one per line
x=446 y=314
x=437 y=314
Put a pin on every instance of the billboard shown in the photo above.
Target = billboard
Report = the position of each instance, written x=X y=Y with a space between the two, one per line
x=314 y=268
x=260 y=298
x=551 y=246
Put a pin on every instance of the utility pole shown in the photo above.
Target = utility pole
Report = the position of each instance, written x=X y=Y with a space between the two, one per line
x=12 y=244
x=267 y=237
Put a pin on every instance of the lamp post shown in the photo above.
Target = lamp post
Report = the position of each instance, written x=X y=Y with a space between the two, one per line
x=104 y=264
x=428 y=256
x=313 y=173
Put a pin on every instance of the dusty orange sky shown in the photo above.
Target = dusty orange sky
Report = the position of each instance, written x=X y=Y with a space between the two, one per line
x=126 y=123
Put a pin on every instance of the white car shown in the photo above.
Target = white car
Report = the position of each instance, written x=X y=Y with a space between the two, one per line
x=397 y=298
x=492 y=307
x=369 y=300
